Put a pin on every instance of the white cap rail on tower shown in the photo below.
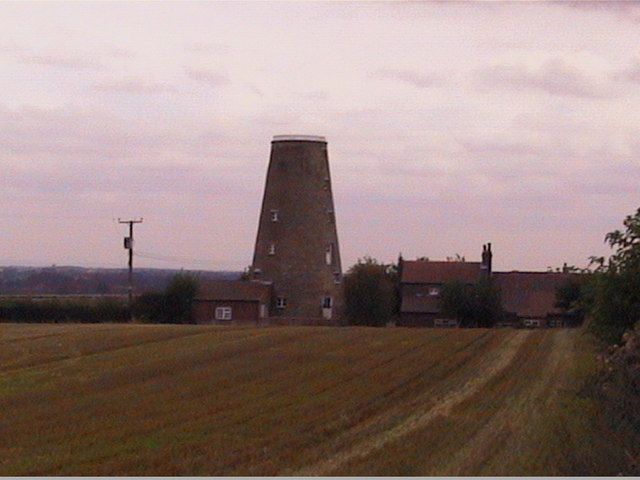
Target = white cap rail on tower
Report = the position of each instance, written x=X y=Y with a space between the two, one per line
x=299 y=138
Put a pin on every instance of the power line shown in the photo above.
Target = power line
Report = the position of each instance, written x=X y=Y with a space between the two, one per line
x=183 y=260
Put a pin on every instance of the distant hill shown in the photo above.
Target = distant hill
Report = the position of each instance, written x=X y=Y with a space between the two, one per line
x=80 y=280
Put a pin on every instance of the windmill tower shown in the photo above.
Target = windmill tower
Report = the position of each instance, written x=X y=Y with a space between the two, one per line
x=297 y=242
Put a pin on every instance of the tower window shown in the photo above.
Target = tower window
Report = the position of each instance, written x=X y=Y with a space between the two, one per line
x=328 y=255
x=337 y=278
x=275 y=216
x=327 y=302
x=281 y=302
x=272 y=248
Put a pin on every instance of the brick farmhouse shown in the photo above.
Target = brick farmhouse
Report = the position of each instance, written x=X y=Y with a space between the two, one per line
x=528 y=298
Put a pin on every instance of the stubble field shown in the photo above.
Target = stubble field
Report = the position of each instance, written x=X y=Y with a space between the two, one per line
x=197 y=400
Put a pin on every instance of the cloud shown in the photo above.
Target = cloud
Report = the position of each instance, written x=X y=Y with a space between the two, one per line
x=41 y=135
x=119 y=52
x=61 y=61
x=410 y=77
x=135 y=86
x=554 y=77
x=626 y=9
x=208 y=48
x=206 y=76
x=114 y=178
x=630 y=74
x=496 y=148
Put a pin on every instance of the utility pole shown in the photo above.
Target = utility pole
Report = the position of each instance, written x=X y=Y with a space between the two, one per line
x=128 y=245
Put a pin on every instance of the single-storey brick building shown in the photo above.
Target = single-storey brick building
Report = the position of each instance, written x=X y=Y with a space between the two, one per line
x=529 y=298
x=232 y=302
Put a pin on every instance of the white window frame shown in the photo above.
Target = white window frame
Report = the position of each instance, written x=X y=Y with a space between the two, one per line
x=281 y=303
x=272 y=248
x=434 y=291
x=275 y=215
x=337 y=278
x=328 y=254
x=224 y=313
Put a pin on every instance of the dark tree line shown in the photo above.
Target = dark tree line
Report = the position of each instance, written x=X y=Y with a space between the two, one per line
x=173 y=305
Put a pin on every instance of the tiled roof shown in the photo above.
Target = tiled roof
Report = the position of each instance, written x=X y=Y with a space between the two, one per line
x=234 y=290
x=420 y=271
x=530 y=294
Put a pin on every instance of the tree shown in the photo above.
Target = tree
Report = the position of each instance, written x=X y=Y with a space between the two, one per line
x=370 y=292
x=477 y=305
x=179 y=297
x=614 y=300
x=571 y=298
x=174 y=305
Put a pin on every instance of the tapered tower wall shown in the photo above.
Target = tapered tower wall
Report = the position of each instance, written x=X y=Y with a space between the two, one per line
x=297 y=243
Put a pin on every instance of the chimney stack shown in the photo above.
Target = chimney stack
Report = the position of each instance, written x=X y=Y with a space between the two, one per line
x=487 y=259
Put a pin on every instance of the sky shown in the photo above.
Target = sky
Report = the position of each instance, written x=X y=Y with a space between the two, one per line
x=449 y=125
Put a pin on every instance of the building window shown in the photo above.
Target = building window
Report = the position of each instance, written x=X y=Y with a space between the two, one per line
x=275 y=216
x=281 y=302
x=223 y=313
x=263 y=310
x=337 y=278
x=434 y=291
x=328 y=256
x=272 y=248
x=327 y=302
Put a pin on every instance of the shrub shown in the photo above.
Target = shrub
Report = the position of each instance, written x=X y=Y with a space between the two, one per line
x=476 y=305
x=57 y=311
x=179 y=297
x=370 y=293
x=573 y=297
x=619 y=391
x=174 y=305
x=614 y=303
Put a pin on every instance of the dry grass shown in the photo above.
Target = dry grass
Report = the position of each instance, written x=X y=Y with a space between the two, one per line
x=197 y=400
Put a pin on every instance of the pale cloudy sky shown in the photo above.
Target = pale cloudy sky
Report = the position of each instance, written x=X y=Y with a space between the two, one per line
x=449 y=125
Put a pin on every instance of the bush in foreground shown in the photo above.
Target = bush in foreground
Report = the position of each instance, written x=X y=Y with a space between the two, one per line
x=614 y=297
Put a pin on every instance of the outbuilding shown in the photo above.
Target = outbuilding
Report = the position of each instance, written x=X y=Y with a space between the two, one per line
x=529 y=298
x=232 y=302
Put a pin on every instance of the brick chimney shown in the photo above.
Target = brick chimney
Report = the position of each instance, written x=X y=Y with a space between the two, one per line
x=487 y=257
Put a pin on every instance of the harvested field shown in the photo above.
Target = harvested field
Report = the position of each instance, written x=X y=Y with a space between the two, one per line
x=198 y=400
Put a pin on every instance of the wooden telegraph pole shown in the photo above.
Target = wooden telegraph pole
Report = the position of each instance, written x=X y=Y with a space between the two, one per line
x=128 y=245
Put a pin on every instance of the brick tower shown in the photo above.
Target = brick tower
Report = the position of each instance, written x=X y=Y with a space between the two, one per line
x=297 y=242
